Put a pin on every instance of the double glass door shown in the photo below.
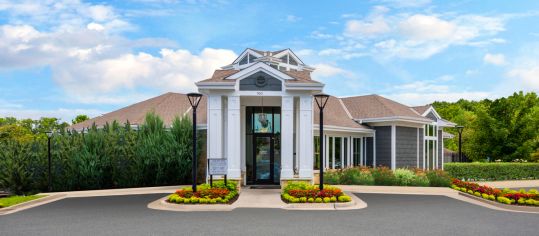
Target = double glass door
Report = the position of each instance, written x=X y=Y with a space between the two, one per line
x=266 y=167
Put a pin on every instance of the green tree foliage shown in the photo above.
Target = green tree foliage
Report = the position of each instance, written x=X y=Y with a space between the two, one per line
x=80 y=118
x=113 y=156
x=503 y=129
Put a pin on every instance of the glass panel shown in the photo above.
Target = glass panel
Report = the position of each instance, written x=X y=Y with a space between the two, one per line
x=316 y=152
x=244 y=60
x=277 y=123
x=330 y=153
x=263 y=121
x=431 y=154
x=345 y=152
x=263 y=159
x=293 y=62
x=249 y=124
x=249 y=157
x=277 y=158
x=357 y=151
x=338 y=150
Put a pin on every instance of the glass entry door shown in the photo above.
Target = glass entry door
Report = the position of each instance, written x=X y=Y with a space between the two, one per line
x=263 y=159
x=263 y=147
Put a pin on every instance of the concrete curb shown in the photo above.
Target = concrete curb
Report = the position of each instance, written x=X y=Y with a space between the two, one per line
x=31 y=204
x=162 y=204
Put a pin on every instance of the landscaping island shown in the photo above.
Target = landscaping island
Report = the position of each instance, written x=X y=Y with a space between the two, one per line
x=505 y=196
x=301 y=192
x=218 y=193
x=14 y=200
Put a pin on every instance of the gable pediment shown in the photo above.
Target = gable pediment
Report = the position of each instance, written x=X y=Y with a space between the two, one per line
x=260 y=81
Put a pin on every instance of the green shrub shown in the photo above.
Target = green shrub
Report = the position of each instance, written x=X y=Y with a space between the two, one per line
x=477 y=194
x=492 y=171
x=505 y=200
x=318 y=200
x=310 y=200
x=521 y=201
x=404 y=177
x=333 y=199
x=356 y=177
x=384 y=176
x=470 y=191
x=303 y=199
x=484 y=195
x=332 y=177
x=491 y=197
x=438 y=178
x=344 y=198
x=327 y=200
x=530 y=202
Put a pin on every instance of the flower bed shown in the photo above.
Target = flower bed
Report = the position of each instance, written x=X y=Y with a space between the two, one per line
x=506 y=196
x=301 y=192
x=218 y=194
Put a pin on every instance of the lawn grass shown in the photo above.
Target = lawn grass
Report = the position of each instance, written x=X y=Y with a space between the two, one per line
x=13 y=200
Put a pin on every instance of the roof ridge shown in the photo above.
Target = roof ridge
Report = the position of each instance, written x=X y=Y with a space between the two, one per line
x=345 y=108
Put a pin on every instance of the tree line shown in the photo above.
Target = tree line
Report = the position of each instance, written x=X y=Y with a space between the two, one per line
x=504 y=129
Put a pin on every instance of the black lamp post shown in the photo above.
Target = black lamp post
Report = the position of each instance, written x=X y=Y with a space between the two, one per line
x=321 y=100
x=459 y=129
x=49 y=136
x=194 y=99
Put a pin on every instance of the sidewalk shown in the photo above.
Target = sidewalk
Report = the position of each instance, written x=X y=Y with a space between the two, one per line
x=118 y=192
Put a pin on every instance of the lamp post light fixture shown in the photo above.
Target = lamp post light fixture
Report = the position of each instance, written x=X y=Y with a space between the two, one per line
x=49 y=136
x=194 y=99
x=321 y=100
x=459 y=129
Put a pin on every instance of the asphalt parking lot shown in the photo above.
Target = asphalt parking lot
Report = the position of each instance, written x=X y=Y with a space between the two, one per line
x=386 y=214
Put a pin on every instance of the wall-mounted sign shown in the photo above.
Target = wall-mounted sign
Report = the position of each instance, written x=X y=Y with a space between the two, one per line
x=217 y=166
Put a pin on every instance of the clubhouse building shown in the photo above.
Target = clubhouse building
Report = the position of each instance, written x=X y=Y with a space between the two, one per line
x=259 y=113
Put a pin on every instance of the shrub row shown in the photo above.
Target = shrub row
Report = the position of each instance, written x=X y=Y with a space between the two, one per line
x=492 y=171
x=386 y=177
x=114 y=156
x=301 y=192
x=506 y=196
x=206 y=194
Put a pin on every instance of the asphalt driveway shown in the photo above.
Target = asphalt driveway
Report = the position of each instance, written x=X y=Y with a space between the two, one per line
x=385 y=215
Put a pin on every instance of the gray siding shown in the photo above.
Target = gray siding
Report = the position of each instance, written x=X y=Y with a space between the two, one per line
x=406 y=142
x=260 y=81
x=383 y=145
x=421 y=148
x=368 y=147
x=431 y=116
x=440 y=150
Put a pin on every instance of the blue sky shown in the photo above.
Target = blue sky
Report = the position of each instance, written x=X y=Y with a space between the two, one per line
x=63 y=58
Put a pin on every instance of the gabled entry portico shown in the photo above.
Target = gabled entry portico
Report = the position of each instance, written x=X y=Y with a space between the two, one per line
x=261 y=120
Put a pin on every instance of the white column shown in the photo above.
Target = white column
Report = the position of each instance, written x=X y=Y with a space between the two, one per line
x=306 y=136
x=373 y=150
x=215 y=120
x=393 y=147
x=287 y=137
x=233 y=137
x=417 y=146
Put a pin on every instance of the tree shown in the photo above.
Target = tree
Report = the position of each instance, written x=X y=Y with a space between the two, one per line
x=80 y=118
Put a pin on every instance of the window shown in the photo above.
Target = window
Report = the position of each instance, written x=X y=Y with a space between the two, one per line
x=292 y=61
x=244 y=60
x=330 y=152
x=356 y=153
x=316 y=152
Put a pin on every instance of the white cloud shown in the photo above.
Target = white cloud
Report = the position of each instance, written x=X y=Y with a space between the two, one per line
x=173 y=70
x=406 y=3
x=527 y=76
x=495 y=59
x=372 y=28
x=292 y=18
x=417 y=99
x=426 y=27
x=326 y=70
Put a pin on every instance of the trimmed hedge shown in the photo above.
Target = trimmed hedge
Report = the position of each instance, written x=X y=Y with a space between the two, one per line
x=493 y=171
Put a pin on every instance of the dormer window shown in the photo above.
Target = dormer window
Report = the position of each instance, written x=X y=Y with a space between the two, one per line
x=291 y=61
x=244 y=60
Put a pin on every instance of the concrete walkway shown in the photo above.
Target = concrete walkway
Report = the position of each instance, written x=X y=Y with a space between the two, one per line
x=512 y=183
x=118 y=192
x=260 y=198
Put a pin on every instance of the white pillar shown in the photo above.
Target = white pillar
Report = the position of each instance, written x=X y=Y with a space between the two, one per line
x=215 y=129
x=362 y=151
x=306 y=136
x=393 y=147
x=287 y=137
x=233 y=137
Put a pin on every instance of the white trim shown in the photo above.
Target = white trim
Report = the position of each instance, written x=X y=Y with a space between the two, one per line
x=417 y=146
x=443 y=154
x=374 y=150
x=361 y=156
x=259 y=66
x=393 y=147
x=431 y=109
x=395 y=119
x=344 y=129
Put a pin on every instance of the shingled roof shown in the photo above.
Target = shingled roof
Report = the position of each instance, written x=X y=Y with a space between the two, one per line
x=422 y=109
x=376 y=106
x=336 y=115
x=166 y=106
